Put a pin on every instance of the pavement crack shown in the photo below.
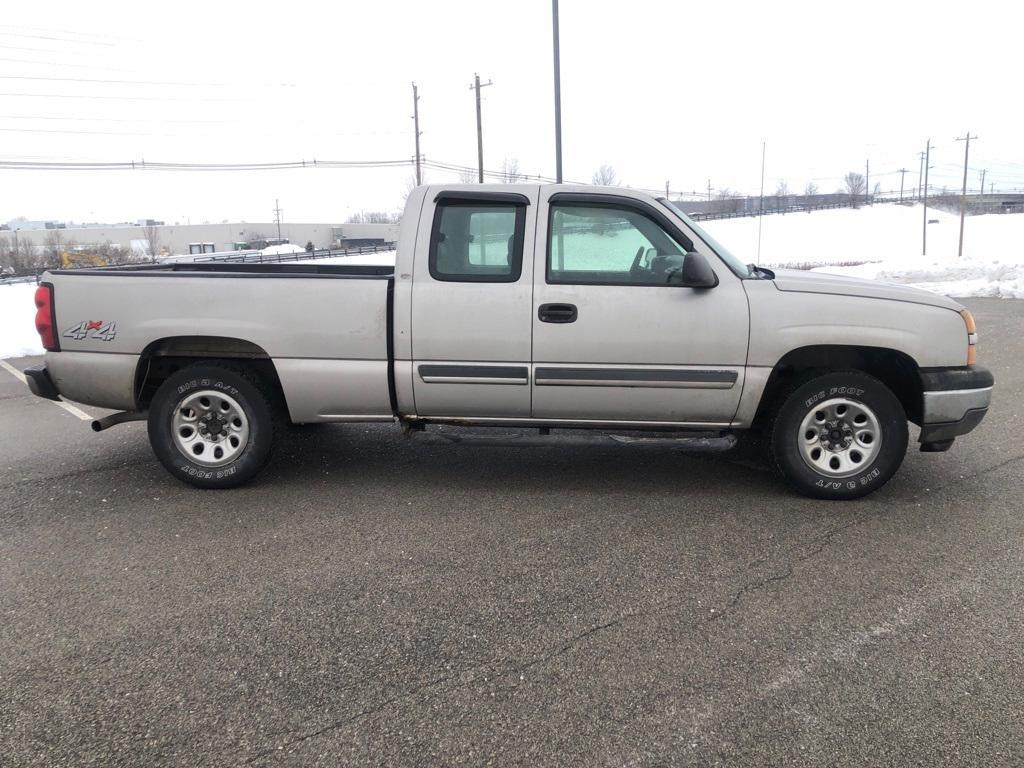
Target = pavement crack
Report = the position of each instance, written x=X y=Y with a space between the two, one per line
x=566 y=646
x=823 y=541
x=979 y=473
x=351 y=719
x=575 y=640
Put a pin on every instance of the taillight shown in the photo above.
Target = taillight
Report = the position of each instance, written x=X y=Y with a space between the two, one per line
x=972 y=336
x=46 y=318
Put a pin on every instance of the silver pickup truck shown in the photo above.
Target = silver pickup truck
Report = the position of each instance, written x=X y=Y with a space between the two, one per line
x=528 y=306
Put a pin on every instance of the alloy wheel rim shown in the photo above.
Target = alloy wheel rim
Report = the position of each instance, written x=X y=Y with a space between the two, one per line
x=210 y=428
x=839 y=437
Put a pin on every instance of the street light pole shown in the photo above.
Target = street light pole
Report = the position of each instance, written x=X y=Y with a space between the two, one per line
x=416 y=129
x=558 y=93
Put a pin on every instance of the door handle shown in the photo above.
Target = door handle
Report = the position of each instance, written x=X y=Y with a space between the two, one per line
x=557 y=313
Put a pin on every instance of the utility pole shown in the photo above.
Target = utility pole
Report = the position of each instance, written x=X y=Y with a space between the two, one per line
x=709 y=190
x=867 y=181
x=277 y=218
x=477 y=85
x=416 y=129
x=963 y=193
x=666 y=191
x=983 y=170
x=920 y=172
x=760 y=205
x=924 y=231
x=903 y=173
x=558 y=94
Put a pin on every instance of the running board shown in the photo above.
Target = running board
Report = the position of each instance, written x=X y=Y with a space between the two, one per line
x=695 y=444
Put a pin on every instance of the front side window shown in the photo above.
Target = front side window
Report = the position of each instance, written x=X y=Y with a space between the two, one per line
x=477 y=242
x=611 y=246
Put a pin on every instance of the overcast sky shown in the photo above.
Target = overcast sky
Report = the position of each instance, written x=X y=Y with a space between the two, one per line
x=662 y=91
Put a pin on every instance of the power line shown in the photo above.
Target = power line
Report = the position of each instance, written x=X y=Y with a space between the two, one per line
x=120 y=98
x=136 y=82
x=19 y=35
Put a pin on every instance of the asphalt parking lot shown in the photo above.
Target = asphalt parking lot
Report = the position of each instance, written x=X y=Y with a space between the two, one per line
x=371 y=601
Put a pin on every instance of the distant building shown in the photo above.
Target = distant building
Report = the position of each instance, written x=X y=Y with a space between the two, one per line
x=228 y=236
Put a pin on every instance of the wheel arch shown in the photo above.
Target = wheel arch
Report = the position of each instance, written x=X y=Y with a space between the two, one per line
x=162 y=357
x=896 y=369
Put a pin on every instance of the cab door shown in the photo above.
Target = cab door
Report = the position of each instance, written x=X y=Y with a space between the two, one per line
x=616 y=338
x=471 y=303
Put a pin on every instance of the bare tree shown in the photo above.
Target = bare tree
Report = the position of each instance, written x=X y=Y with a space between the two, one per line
x=468 y=176
x=410 y=185
x=854 y=186
x=811 y=189
x=373 y=217
x=782 y=190
x=151 y=234
x=605 y=177
x=510 y=173
x=53 y=249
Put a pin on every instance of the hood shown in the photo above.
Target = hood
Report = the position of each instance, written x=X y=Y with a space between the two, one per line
x=841 y=285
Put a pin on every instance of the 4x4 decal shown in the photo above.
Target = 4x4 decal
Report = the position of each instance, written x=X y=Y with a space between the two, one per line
x=93 y=329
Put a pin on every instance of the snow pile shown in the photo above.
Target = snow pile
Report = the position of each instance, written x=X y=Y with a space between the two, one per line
x=284 y=249
x=883 y=242
x=379 y=259
x=18 y=335
x=1001 y=280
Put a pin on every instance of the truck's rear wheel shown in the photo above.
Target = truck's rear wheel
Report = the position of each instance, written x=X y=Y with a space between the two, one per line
x=211 y=425
x=839 y=436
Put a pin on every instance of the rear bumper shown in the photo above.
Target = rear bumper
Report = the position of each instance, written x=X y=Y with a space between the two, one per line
x=955 y=401
x=40 y=383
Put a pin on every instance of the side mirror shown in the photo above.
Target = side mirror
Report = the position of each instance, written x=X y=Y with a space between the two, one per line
x=697 y=273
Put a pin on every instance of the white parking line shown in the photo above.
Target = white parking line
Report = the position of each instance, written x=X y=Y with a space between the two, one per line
x=66 y=406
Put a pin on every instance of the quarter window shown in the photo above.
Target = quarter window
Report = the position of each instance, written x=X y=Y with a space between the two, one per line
x=477 y=242
x=610 y=245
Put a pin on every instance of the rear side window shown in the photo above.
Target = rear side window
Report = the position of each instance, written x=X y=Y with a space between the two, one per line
x=477 y=242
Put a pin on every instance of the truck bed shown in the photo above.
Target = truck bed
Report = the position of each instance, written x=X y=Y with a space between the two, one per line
x=326 y=327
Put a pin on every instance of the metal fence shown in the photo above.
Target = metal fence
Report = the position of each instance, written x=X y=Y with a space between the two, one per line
x=796 y=208
x=241 y=258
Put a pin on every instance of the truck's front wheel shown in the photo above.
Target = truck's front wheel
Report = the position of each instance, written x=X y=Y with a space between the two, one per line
x=211 y=425
x=839 y=436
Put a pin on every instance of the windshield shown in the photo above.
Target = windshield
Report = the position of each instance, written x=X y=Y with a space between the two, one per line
x=731 y=261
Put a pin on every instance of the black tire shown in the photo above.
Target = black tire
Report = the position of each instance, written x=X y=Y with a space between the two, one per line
x=250 y=394
x=786 y=433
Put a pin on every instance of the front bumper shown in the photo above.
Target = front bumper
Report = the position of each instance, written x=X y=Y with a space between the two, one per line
x=40 y=383
x=955 y=401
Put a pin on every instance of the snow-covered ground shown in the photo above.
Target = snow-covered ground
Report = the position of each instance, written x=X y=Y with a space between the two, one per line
x=884 y=242
x=379 y=259
x=18 y=321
